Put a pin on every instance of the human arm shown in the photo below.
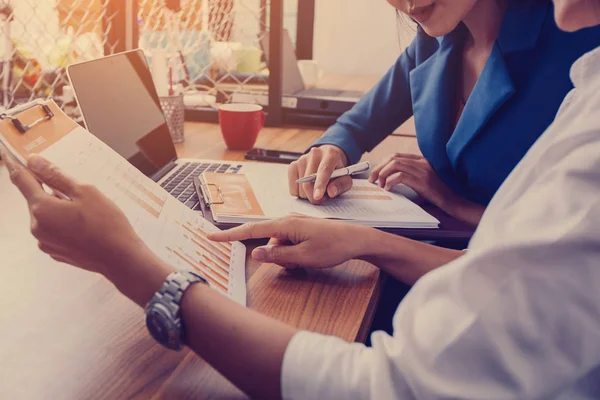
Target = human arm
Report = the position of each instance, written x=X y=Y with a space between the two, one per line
x=75 y=232
x=490 y=324
x=317 y=243
x=372 y=119
x=417 y=173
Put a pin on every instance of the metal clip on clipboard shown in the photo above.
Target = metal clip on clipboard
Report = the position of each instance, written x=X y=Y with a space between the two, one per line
x=20 y=126
x=205 y=198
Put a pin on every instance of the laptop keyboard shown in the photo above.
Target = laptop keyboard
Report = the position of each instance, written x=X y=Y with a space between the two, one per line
x=181 y=183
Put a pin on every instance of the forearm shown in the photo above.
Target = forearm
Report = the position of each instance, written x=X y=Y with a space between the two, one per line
x=404 y=259
x=243 y=345
x=464 y=210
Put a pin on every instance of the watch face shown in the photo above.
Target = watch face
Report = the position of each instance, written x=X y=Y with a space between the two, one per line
x=160 y=324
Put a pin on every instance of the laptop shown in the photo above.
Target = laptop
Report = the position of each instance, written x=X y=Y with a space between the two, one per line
x=119 y=105
x=309 y=99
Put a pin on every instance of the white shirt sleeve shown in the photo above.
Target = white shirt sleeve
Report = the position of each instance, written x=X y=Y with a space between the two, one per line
x=517 y=316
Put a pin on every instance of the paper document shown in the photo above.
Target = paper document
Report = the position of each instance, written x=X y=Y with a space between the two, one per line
x=173 y=231
x=365 y=204
x=372 y=205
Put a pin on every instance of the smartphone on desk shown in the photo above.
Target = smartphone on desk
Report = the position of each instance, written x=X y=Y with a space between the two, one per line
x=284 y=157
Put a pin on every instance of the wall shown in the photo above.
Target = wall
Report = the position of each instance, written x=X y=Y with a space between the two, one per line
x=247 y=13
x=358 y=36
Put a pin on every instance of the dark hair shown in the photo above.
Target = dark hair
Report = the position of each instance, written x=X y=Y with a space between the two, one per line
x=403 y=20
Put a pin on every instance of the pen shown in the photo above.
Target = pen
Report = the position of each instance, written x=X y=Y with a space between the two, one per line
x=350 y=170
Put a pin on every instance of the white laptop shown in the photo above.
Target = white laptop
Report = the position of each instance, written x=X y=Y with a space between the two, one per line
x=120 y=106
x=293 y=84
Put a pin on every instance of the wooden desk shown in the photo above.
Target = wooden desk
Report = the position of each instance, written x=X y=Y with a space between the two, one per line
x=68 y=334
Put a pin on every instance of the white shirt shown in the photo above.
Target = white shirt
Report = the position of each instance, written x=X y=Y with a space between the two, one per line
x=516 y=317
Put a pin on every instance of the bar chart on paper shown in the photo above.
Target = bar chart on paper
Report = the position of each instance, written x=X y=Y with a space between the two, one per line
x=210 y=258
x=174 y=232
x=149 y=201
x=182 y=242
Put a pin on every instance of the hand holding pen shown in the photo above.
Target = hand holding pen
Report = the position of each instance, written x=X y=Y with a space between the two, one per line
x=321 y=163
x=344 y=171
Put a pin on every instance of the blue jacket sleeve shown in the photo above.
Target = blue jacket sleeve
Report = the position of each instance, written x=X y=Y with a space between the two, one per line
x=377 y=114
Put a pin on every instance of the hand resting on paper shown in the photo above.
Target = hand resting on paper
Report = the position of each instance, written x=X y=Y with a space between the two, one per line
x=417 y=173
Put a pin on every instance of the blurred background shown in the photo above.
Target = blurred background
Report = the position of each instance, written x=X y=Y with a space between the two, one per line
x=212 y=45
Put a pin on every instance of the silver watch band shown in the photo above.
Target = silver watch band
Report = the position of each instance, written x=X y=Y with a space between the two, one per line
x=163 y=311
x=175 y=286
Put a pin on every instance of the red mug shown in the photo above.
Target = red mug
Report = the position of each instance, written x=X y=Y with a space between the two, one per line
x=241 y=124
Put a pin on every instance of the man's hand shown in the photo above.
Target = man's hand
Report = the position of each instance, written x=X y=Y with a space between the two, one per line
x=86 y=230
x=322 y=160
x=301 y=241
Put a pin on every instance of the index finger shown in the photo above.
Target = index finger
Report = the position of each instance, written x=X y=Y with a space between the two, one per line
x=251 y=230
x=375 y=172
x=326 y=168
x=24 y=180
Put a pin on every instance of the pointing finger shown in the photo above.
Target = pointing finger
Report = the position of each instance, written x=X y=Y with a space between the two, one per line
x=251 y=230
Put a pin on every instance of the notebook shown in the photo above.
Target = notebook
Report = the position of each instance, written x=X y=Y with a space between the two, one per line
x=236 y=199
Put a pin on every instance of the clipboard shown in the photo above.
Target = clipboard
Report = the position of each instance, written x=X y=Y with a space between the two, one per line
x=205 y=203
x=226 y=195
x=174 y=232
x=33 y=127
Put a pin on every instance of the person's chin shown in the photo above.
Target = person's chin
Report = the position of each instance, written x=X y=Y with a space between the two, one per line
x=437 y=30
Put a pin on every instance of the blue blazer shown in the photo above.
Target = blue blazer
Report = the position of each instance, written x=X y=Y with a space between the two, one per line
x=514 y=100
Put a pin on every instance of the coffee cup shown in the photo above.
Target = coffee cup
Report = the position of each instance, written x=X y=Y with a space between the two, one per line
x=240 y=124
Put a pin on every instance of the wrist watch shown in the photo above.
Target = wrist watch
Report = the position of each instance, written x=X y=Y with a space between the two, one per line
x=163 y=315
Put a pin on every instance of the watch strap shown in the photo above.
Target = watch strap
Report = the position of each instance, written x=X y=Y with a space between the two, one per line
x=175 y=286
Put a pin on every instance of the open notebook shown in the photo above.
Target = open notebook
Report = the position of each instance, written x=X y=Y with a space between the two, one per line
x=236 y=199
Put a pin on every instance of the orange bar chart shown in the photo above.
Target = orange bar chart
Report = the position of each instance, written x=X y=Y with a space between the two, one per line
x=211 y=259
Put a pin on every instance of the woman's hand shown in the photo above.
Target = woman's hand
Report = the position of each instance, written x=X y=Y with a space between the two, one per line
x=322 y=160
x=302 y=241
x=417 y=173
x=87 y=230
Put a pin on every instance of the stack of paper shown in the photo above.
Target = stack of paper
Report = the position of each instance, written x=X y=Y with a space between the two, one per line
x=238 y=199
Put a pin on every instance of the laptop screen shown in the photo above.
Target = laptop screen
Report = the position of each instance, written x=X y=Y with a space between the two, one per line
x=120 y=106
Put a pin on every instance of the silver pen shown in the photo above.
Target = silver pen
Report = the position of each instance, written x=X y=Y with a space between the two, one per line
x=350 y=170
